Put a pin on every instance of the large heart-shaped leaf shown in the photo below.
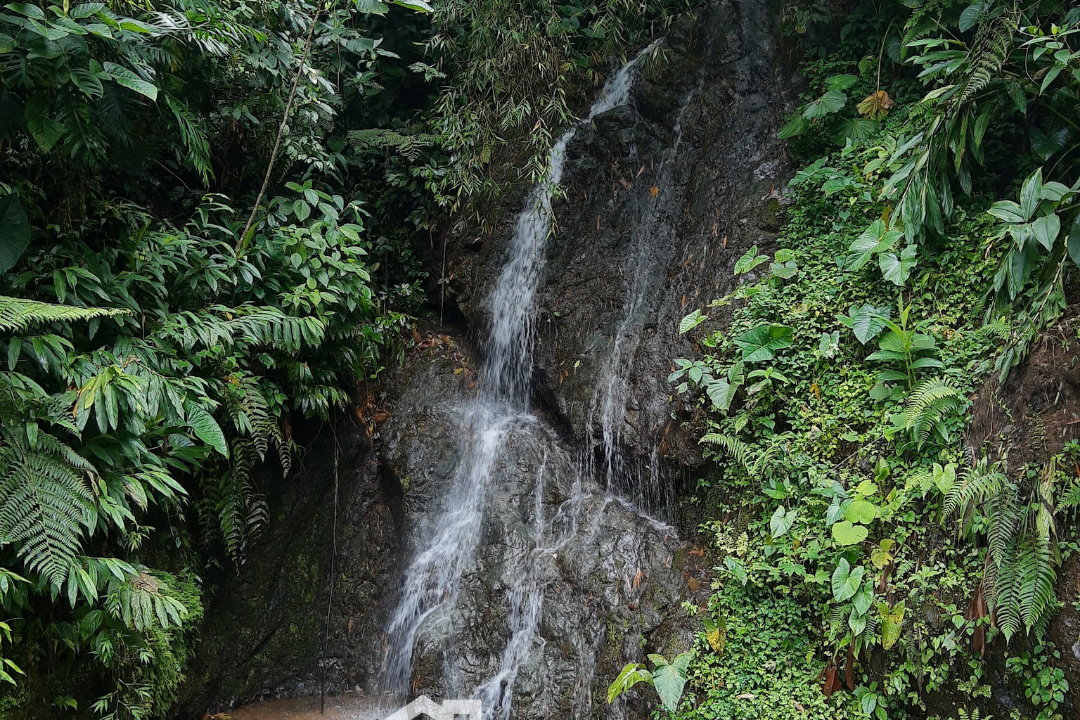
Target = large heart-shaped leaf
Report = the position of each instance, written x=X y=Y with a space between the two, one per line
x=898 y=269
x=670 y=679
x=781 y=521
x=868 y=321
x=762 y=342
x=846 y=533
x=892 y=621
x=749 y=260
x=846 y=580
x=14 y=231
x=873 y=240
x=861 y=511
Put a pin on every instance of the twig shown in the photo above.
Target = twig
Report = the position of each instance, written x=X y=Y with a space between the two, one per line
x=281 y=129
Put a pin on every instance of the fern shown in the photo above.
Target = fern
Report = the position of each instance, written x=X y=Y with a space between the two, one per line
x=45 y=503
x=927 y=406
x=990 y=50
x=734 y=448
x=19 y=315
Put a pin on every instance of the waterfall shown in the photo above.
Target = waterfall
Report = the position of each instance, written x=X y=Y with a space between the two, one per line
x=433 y=579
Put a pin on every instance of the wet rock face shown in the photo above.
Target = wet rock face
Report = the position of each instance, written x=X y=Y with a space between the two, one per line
x=601 y=581
x=662 y=196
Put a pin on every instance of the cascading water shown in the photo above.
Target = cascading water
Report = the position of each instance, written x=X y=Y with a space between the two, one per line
x=434 y=578
x=610 y=400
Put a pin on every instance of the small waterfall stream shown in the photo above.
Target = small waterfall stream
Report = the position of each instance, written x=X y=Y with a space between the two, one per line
x=433 y=579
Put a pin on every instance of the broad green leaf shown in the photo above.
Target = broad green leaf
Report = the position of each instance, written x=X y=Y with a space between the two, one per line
x=892 y=621
x=846 y=533
x=630 y=676
x=14 y=231
x=1046 y=230
x=749 y=261
x=796 y=126
x=44 y=129
x=1074 y=241
x=417 y=5
x=785 y=270
x=372 y=7
x=854 y=129
x=873 y=240
x=781 y=521
x=845 y=580
x=691 y=321
x=970 y=17
x=736 y=568
x=1029 y=194
x=206 y=428
x=861 y=511
x=828 y=103
x=670 y=679
x=868 y=321
x=864 y=598
x=840 y=82
x=897 y=270
x=945 y=477
x=1007 y=211
x=127 y=78
x=857 y=622
x=762 y=342
x=30 y=11
x=86 y=10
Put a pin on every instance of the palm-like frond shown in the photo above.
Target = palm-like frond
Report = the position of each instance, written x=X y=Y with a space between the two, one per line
x=19 y=315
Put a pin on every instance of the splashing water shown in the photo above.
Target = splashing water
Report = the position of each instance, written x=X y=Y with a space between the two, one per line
x=433 y=580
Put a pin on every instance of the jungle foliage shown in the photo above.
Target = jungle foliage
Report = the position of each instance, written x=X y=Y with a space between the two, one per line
x=207 y=215
x=933 y=235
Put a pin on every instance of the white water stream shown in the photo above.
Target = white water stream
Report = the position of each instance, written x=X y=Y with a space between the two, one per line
x=434 y=578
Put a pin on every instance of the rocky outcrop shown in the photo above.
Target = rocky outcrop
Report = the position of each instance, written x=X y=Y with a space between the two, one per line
x=661 y=197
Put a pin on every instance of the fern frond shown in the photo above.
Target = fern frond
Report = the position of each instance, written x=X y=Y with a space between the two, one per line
x=990 y=50
x=45 y=503
x=734 y=448
x=18 y=315
x=927 y=405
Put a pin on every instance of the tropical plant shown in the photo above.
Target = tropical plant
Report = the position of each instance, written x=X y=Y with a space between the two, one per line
x=669 y=679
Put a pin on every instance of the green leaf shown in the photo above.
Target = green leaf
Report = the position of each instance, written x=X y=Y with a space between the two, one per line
x=785 y=271
x=736 y=568
x=1029 y=194
x=861 y=511
x=873 y=240
x=417 y=5
x=868 y=321
x=1074 y=241
x=891 y=624
x=30 y=11
x=206 y=428
x=864 y=598
x=1007 y=211
x=854 y=129
x=845 y=580
x=781 y=521
x=631 y=675
x=670 y=679
x=127 y=78
x=691 y=321
x=749 y=261
x=898 y=270
x=1046 y=230
x=372 y=7
x=827 y=104
x=14 y=231
x=846 y=533
x=840 y=82
x=970 y=17
x=796 y=126
x=762 y=342
x=45 y=130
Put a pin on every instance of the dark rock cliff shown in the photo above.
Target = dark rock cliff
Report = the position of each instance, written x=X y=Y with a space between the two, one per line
x=661 y=197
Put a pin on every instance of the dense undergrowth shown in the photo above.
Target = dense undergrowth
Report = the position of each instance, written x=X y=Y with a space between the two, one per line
x=868 y=558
